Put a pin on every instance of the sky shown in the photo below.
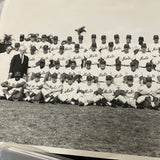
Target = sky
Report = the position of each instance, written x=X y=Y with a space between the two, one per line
x=61 y=17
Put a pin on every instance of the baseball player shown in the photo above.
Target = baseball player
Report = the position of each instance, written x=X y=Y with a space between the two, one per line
x=69 y=45
x=155 y=45
x=42 y=69
x=93 y=38
x=106 y=91
x=93 y=54
x=117 y=73
x=32 y=56
x=58 y=70
x=54 y=44
x=61 y=56
x=103 y=44
x=13 y=88
x=147 y=95
x=89 y=69
x=126 y=56
x=52 y=89
x=101 y=71
x=143 y=56
x=33 y=89
x=87 y=92
x=43 y=42
x=45 y=55
x=128 y=98
x=77 y=55
x=69 y=91
x=117 y=44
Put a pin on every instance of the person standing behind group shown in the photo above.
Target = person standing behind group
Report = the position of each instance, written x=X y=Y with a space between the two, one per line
x=19 y=63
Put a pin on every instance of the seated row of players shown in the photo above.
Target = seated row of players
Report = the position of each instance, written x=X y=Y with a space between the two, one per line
x=88 y=92
x=53 y=42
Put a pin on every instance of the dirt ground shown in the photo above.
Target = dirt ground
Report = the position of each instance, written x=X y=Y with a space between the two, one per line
x=117 y=130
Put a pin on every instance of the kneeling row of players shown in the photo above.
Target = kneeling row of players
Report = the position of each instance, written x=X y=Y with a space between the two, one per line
x=85 y=93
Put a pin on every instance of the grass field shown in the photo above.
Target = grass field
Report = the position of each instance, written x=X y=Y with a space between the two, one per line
x=117 y=130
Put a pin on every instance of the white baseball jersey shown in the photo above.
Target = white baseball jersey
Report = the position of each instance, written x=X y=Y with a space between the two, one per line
x=33 y=59
x=88 y=90
x=85 y=72
x=70 y=89
x=118 y=46
x=92 y=56
x=136 y=74
x=69 y=46
x=152 y=74
x=107 y=90
x=12 y=82
x=62 y=58
x=154 y=46
x=101 y=74
x=126 y=58
x=33 y=85
x=59 y=71
x=130 y=91
x=53 y=87
x=77 y=57
x=117 y=75
x=145 y=90
x=76 y=71
x=42 y=71
x=45 y=56
x=109 y=57
x=102 y=46
x=143 y=58
x=55 y=47
x=155 y=54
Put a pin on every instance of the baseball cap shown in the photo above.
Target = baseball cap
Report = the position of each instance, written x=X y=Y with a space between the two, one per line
x=76 y=46
x=118 y=62
x=61 y=47
x=73 y=62
x=33 y=48
x=45 y=47
x=57 y=62
x=93 y=36
x=116 y=36
x=17 y=74
x=144 y=45
x=129 y=36
x=32 y=35
x=103 y=37
x=155 y=37
x=44 y=35
x=37 y=75
x=89 y=62
x=89 y=78
x=133 y=63
x=94 y=45
x=55 y=37
x=111 y=44
x=126 y=46
x=102 y=61
x=69 y=38
x=54 y=75
x=130 y=78
x=80 y=37
x=148 y=79
x=109 y=77
x=70 y=77
x=17 y=45
x=141 y=39
x=148 y=65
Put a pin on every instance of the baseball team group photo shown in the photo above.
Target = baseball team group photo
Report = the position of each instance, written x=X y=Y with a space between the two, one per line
x=45 y=69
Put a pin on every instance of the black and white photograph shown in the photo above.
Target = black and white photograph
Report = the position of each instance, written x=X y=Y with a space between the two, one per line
x=79 y=79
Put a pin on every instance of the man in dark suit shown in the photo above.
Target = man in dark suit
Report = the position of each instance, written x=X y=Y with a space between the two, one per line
x=19 y=63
